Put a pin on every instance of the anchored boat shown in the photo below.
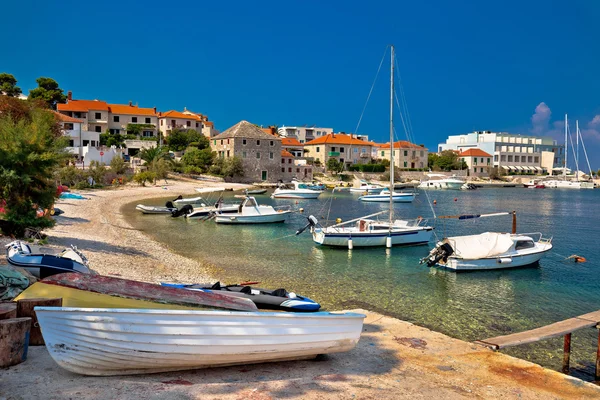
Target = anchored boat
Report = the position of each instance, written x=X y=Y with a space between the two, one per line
x=96 y=341
x=250 y=212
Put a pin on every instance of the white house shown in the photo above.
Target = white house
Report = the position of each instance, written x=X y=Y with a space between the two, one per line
x=303 y=134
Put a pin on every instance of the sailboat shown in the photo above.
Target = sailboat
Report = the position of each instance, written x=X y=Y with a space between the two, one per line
x=564 y=183
x=366 y=232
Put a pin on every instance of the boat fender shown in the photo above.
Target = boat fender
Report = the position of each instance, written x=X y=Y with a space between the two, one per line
x=504 y=260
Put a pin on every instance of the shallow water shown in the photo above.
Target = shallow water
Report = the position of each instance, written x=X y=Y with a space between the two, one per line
x=469 y=306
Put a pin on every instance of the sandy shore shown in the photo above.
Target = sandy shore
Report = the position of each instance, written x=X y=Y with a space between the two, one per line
x=394 y=359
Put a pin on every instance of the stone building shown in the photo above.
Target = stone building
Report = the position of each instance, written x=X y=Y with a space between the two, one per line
x=407 y=155
x=260 y=152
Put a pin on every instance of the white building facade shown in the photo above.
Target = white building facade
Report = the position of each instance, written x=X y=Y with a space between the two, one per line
x=303 y=134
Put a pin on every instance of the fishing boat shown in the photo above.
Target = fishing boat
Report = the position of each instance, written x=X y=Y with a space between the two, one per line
x=41 y=265
x=279 y=299
x=441 y=181
x=105 y=341
x=295 y=190
x=488 y=250
x=367 y=187
x=155 y=209
x=250 y=212
x=207 y=211
x=367 y=232
x=384 y=197
x=79 y=290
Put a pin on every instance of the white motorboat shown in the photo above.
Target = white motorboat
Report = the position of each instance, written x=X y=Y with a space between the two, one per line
x=154 y=209
x=441 y=181
x=366 y=232
x=489 y=250
x=367 y=187
x=41 y=265
x=103 y=342
x=193 y=201
x=250 y=212
x=384 y=197
x=298 y=190
x=207 y=211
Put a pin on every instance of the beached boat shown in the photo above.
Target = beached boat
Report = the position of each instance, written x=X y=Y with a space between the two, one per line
x=384 y=197
x=250 y=212
x=41 y=265
x=154 y=209
x=116 y=290
x=366 y=232
x=128 y=341
x=441 y=181
x=488 y=250
x=367 y=187
x=298 y=190
x=279 y=299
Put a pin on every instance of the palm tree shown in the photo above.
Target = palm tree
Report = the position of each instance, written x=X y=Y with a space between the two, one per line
x=158 y=161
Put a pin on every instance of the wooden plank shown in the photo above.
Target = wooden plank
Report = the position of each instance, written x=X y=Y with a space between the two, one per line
x=148 y=291
x=545 y=332
x=8 y=310
x=25 y=309
x=14 y=341
x=593 y=316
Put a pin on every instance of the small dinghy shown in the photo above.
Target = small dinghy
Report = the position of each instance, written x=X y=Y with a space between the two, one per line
x=109 y=341
x=155 y=209
x=256 y=191
x=41 y=265
x=279 y=299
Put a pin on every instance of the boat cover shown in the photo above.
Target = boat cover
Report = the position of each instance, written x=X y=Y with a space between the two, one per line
x=487 y=244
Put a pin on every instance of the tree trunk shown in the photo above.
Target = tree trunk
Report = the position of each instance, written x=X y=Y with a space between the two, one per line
x=14 y=341
x=8 y=310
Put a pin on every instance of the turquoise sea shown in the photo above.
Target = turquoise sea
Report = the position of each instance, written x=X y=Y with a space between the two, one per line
x=469 y=306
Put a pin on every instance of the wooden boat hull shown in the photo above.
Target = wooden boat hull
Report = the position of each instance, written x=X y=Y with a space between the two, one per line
x=124 y=288
x=128 y=341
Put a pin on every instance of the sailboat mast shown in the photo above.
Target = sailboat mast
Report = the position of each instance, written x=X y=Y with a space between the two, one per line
x=391 y=136
x=566 y=152
x=577 y=149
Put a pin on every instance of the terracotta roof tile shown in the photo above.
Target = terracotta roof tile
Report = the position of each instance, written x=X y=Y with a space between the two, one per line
x=131 y=110
x=338 y=138
x=401 y=144
x=474 y=153
x=66 y=118
x=285 y=153
x=290 y=142
x=83 y=105
x=180 y=115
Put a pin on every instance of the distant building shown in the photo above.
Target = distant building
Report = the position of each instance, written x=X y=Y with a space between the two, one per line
x=478 y=161
x=406 y=154
x=123 y=119
x=293 y=146
x=344 y=148
x=170 y=120
x=302 y=133
x=259 y=151
x=511 y=152
x=294 y=169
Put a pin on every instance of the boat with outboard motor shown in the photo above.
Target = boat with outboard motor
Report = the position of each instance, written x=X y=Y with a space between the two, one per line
x=250 y=212
x=488 y=250
x=279 y=299
x=144 y=209
x=41 y=264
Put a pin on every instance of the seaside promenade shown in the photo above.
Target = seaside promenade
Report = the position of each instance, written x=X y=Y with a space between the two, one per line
x=394 y=359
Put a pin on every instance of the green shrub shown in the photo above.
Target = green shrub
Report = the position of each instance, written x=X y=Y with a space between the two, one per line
x=118 y=165
x=142 y=177
x=367 y=167
x=191 y=169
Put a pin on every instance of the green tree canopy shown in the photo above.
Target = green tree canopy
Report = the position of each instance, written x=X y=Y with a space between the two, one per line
x=8 y=85
x=233 y=167
x=448 y=160
x=158 y=161
x=48 y=91
x=335 y=166
x=194 y=157
x=31 y=149
x=180 y=139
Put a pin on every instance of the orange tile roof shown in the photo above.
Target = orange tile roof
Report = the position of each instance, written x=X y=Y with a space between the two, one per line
x=338 y=138
x=131 y=110
x=177 y=114
x=285 y=153
x=83 y=105
x=209 y=123
x=290 y=142
x=401 y=144
x=66 y=118
x=474 y=153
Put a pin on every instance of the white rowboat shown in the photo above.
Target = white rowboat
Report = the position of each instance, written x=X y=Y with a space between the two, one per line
x=96 y=341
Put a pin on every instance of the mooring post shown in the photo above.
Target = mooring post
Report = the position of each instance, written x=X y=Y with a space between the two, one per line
x=598 y=356
x=566 y=354
x=514 y=222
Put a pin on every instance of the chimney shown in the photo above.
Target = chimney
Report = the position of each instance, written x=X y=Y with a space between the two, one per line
x=69 y=95
x=130 y=104
x=154 y=110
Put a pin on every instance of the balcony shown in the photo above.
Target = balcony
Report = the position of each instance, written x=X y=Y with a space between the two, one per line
x=364 y=155
x=333 y=154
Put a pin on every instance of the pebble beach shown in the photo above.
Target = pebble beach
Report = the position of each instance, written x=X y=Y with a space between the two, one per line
x=394 y=359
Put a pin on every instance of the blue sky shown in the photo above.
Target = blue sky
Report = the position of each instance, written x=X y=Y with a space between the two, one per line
x=465 y=65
